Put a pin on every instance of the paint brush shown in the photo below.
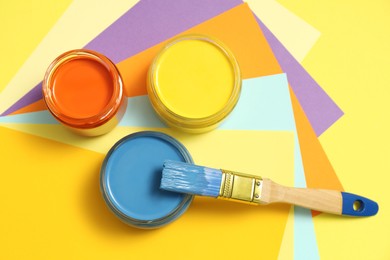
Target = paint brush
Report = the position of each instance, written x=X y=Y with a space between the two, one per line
x=204 y=181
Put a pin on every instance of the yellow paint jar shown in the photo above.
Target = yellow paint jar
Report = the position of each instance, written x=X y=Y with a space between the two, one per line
x=194 y=83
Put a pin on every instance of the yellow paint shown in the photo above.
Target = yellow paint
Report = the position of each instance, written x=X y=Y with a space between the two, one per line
x=195 y=78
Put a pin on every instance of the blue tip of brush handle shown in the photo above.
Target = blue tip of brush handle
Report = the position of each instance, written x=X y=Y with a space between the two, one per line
x=355 y=205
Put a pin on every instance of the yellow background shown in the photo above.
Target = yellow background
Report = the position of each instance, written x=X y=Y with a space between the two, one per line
x=351 y=61
x=23 y=26
x=52 y=207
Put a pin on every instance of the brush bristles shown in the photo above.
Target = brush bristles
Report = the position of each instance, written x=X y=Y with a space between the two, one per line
x=189 y=178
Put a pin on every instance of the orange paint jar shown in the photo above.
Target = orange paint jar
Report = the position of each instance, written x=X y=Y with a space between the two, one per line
x=84 y=91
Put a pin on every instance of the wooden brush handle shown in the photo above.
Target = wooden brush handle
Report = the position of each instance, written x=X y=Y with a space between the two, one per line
x=330 y=201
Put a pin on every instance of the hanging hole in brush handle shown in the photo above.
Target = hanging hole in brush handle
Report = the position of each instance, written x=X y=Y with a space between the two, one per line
x=355 y=205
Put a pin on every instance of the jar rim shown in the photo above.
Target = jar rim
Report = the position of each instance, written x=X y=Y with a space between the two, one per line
x=110 y=108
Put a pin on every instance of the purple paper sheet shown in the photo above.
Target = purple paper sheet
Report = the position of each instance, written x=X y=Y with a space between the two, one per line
x=149 y=22
x=319 y=108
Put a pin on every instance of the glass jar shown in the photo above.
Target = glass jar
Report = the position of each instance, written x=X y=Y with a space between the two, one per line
x=194 y=83
x=84 y=91
x=130 y=179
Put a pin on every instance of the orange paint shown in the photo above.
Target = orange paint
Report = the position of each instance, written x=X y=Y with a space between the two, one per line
x=82 y=88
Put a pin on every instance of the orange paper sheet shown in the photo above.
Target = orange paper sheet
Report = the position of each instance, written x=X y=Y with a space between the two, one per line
x=238 y=29
x=319 y=172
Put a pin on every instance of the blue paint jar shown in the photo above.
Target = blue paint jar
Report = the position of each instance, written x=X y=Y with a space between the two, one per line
x=130 y=180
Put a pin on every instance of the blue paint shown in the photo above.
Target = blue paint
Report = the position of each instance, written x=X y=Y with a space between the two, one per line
x=131 y=175
x=191 y=179
x=366 y=207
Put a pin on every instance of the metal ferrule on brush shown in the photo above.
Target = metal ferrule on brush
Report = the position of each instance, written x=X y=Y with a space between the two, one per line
x=240 y=187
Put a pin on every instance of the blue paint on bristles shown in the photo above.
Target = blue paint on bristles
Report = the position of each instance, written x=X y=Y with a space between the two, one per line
x=192 y=179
